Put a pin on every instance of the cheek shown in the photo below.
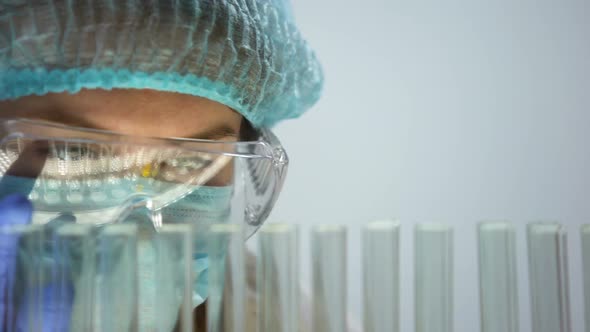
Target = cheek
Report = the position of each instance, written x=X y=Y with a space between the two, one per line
x=224 y=177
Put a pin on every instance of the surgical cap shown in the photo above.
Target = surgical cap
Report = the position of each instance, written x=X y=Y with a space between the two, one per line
x=246 y=54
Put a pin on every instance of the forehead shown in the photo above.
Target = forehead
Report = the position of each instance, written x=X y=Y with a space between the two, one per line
x=129 y=111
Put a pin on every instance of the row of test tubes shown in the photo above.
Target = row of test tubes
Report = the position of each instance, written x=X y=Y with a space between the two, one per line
x=98 y=274
x=79 y=277
x=433 y=277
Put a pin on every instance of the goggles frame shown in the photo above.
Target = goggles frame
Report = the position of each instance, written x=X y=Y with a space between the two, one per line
x=267 y=180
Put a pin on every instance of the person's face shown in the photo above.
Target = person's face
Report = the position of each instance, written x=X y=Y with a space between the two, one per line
x=135 y=112
x=131 y=111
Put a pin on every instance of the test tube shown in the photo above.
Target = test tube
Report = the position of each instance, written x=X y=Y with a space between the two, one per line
x=278 y=275
x=21 y=245
x=585 y=231
x=381 y=276
x=116 y=297
x=328 y=249
x=497 y=277
x=433 y=278
x=226 y=302
x=548 y=273
x=173 y=286
x=9 y=252
x=74 y=272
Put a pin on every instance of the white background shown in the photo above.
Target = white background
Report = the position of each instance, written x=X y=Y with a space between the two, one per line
x=444 y=111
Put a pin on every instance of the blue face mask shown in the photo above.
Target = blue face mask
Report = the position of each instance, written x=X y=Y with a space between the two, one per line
x=203 y=205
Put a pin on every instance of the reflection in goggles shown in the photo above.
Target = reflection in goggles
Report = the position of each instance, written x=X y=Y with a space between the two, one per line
x=66 y=159
x=91 y=176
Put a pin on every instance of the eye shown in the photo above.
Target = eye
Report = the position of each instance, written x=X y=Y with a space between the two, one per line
x=74 y=152
x=185 y=168
x=13 y=149
x=189 y=163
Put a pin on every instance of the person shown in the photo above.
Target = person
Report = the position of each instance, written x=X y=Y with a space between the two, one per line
x=201 y=77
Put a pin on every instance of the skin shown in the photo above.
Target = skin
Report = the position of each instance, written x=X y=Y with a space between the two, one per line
x=134 y=112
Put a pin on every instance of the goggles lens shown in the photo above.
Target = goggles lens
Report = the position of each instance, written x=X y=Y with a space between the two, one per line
x=98 y=176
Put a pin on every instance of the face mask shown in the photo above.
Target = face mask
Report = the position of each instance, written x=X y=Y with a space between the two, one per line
x=203 y=205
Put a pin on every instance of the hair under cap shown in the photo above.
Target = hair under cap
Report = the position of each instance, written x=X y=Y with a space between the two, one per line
x=246 y=54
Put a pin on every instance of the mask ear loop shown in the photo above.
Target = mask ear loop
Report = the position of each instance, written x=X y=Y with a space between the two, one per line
x=29 y=164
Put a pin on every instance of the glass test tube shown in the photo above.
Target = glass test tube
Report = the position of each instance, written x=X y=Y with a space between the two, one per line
x=433 y=268
x=381 y=276
x=116 y=296
x=74 y=272
x=20 y=288
x=498 y=277
x=226 y=302
x=8 y=253
x=174 y=277
x=328 y=249
x=548 y=273
x=585 y=232
x=278 y=278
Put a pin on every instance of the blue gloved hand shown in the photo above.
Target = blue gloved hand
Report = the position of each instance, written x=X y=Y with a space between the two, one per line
x=15 y=209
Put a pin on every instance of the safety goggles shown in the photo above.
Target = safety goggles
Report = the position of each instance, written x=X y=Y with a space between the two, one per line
x=100 y=177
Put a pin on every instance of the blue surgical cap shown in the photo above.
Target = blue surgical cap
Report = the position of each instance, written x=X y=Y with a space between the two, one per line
x=246 y=54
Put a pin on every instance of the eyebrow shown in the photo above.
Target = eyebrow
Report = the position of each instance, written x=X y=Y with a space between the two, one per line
x=217 y=132
x=59 y=117
x=220 y=131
